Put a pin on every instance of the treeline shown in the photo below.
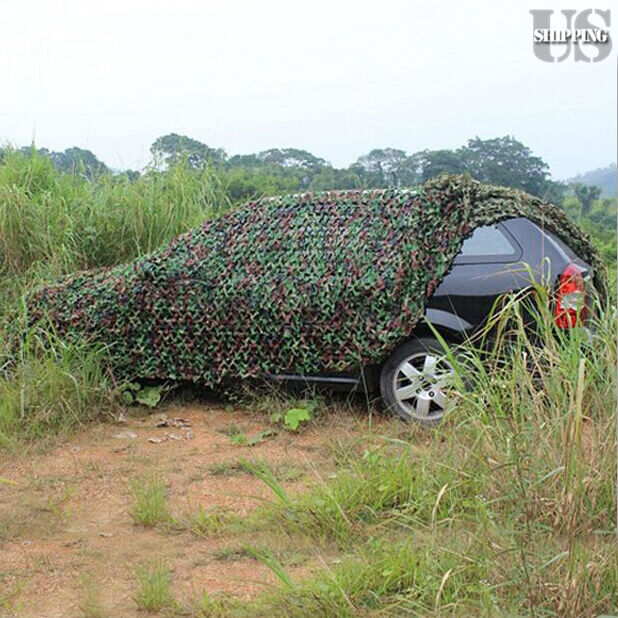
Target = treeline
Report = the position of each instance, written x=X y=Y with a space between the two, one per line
x=501 y=160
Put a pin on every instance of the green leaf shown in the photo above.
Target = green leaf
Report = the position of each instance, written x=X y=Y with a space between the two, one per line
x=149 y=396
x=294 y=417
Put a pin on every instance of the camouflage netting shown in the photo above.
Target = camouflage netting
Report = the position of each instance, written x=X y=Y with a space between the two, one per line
x=304 y=284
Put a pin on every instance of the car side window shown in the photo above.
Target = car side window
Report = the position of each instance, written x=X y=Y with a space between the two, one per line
x=487 y=243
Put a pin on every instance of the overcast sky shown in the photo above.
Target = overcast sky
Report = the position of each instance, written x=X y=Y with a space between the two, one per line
x=335 y=77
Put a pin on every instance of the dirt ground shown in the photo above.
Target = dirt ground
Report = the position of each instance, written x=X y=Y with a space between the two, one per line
x=65 y=526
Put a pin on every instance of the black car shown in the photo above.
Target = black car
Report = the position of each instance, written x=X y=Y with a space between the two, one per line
x=494 y=260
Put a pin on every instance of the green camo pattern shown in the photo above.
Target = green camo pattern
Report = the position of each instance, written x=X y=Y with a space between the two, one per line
x=300 y=283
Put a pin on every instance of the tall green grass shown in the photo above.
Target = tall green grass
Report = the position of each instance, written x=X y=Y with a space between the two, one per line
x=51 y=387
x=72 y=222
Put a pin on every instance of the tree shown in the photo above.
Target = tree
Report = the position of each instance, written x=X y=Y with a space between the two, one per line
x=346 y=179
x=506 y=161
x=298 y=163
x=292 y=158
x=173 y=147
x=77 y=160
x=586 y=195
x=324 y=180
x=386 y=167
x=245 y=183
x=432 y=163
x=73 y=160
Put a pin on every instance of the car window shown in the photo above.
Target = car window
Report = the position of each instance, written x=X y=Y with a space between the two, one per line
x=569 y=252
x=487 y=241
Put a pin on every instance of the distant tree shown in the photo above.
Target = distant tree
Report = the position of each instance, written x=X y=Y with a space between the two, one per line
x=386 y=167
x=432 y=163
x=324 y=180
x=586 y=195
x=292 y=157
x=172 y=147
x=506 y=161
x=73 y=160
x=249 y=160
x=245 y=183
x=132 y=175
x=347 y=180
x=299 y=163
x=555 y=191
x=77 y=160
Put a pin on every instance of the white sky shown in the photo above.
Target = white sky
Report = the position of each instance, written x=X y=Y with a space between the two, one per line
x=335 y=77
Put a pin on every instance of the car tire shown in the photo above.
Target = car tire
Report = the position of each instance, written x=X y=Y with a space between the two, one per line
x=412 y=381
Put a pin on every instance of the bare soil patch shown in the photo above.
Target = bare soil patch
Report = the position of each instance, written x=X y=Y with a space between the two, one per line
x=64 y=514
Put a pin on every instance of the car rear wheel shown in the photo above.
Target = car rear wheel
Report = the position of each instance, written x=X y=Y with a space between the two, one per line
x=414 y=379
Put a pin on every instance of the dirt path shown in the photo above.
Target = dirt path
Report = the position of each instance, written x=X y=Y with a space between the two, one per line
x=65 y=526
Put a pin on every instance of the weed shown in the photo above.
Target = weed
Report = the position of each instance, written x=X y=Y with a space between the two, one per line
x=206 y=522
x=155 y=588
x=231 y=554
x=149 y=506
x=204 y=606
x=55 y=387
x=264 y=473
x=91 y=603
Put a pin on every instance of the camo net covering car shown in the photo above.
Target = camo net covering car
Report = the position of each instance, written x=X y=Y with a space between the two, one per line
x=305 y=284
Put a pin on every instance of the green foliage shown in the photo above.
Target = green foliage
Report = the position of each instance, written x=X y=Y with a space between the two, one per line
x=70 y=223
x=386 y=167
x=206 y=522
x=263 y=471
x=51 y=386
x=507 y=162
x=598 y=219
x=267 y=558
x=90 y=605
x=242 y=184
x=149 y=396
x=586 y=195
x=295 y=416
x=239 y=438
x=73 y=160
x=173 y=149
x=432 y=163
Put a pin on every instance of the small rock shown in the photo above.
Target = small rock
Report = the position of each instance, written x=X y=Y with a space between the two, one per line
x=125 y=435
x=180 y=422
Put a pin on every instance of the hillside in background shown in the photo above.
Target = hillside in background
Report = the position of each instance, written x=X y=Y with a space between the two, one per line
x=603 y=177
